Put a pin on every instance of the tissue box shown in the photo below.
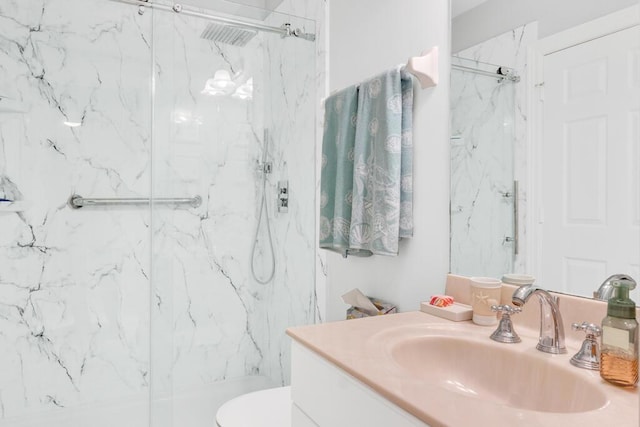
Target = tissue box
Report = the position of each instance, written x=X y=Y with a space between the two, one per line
x=382 y=306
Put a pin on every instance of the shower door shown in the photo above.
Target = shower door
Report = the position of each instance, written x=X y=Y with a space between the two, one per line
x=75 y=118
x=233 y=122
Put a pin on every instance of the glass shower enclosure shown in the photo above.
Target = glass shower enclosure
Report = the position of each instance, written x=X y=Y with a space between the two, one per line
x=150 y=263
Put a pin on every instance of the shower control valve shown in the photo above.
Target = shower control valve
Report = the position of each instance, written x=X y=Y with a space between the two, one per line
x=283 y=196
x=265 y=167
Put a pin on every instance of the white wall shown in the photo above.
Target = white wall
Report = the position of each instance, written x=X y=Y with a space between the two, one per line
x=553 y=16
x=365 y=38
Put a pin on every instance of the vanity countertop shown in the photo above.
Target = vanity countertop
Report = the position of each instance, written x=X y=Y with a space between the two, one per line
x=364 y=347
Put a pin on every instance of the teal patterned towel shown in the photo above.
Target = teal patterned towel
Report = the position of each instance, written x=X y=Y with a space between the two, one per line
x=337 y=169
x=366 y=186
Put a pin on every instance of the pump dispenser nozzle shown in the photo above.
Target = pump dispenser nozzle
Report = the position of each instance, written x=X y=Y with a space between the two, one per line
x=620 y=305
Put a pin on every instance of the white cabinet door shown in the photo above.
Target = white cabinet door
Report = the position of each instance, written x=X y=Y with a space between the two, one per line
x=332 y=398
x=589 y=174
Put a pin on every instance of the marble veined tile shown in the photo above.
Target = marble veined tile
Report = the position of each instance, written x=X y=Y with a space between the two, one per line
x=74 y=309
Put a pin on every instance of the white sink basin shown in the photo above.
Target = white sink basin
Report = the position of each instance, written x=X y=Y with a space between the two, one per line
x=497 y=372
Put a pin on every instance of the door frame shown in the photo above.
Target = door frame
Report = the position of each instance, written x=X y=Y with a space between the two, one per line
x=536 y=52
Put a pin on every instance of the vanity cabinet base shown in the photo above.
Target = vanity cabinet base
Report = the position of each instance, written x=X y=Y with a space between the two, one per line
x=326 y=396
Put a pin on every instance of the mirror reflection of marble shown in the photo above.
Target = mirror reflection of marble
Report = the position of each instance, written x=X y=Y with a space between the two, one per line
x=549 y=134
x=482 y=175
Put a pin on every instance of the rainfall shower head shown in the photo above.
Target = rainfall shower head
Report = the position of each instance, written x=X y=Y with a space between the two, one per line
x=227 y=34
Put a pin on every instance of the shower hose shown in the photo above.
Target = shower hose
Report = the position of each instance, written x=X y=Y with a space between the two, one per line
x=263 y=210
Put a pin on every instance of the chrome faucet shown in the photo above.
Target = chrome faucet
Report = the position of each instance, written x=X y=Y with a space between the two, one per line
x=605 y=291
x=551 y=338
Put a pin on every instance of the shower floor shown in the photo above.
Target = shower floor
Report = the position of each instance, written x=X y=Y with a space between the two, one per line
x=193 y=407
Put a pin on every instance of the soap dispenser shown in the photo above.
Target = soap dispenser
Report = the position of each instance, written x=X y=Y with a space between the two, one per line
x=619 y=351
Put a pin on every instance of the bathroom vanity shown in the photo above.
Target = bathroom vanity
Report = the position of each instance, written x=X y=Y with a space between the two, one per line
x=415 y=369
x=325 y=395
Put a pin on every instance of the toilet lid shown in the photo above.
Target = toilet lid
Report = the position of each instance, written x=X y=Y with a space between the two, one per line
x=265 y=408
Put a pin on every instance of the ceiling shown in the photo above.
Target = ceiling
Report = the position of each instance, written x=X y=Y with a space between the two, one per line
x=458 y=7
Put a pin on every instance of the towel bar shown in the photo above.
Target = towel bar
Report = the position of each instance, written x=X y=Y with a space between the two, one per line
x=77 y=202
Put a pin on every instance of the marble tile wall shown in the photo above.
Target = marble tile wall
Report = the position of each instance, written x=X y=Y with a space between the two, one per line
x=481 y=173
x=293 y=76
x=490 y=120
x=208 y=146
x=317 y=10
x=81 y=289
x=225 y=324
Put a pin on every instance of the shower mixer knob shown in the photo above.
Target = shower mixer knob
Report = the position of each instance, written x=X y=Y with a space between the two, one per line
x=283 y=196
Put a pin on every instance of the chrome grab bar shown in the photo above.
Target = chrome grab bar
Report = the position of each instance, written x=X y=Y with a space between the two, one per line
x=77 y=202
x=516 y=220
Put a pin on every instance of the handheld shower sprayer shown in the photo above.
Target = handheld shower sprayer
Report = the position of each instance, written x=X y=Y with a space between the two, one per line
x=264 y=169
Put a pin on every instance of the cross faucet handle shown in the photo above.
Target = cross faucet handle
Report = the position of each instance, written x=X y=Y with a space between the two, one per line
x=589 y=355
x=506 y=309
x=505 y=332
x=588 y=328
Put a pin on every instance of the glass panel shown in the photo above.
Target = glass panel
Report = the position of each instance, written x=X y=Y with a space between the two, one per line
x=482 y=138
x=74 y=286
x=224 y=113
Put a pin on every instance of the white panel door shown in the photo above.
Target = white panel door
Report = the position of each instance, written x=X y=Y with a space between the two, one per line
x=589 y=218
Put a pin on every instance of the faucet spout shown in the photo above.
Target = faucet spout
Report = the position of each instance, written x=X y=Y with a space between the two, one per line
x=551 y=338
x=605 y=291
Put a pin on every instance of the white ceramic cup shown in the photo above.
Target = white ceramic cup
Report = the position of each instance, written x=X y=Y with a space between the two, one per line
x=518 y=279
x=485 y=292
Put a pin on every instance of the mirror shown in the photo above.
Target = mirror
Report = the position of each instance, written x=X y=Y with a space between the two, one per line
x=545 y=126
